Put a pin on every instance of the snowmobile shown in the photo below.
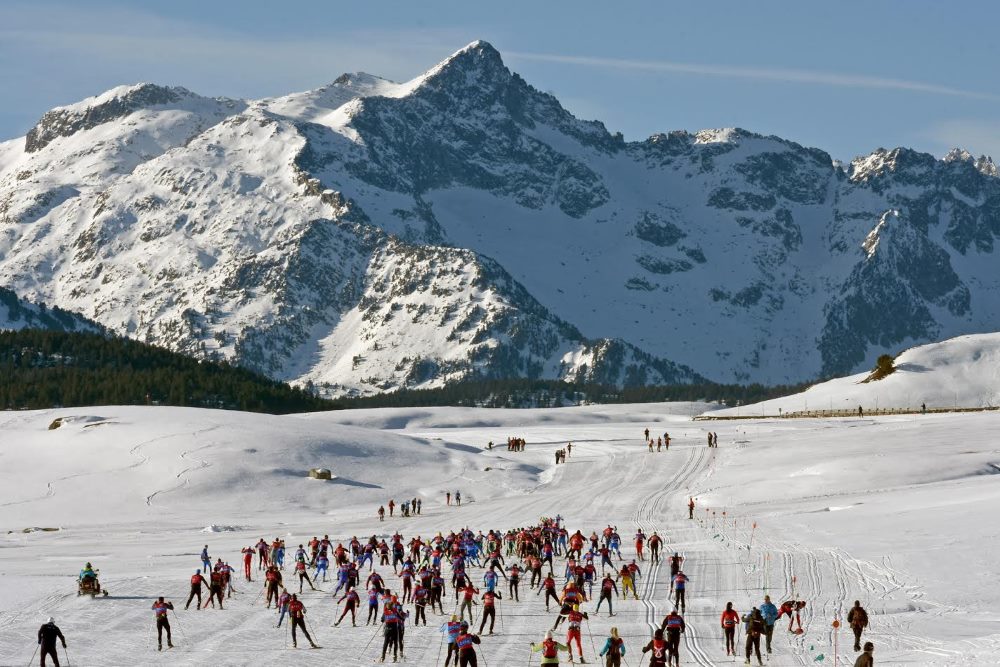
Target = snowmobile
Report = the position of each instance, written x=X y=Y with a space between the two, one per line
x=90 y=586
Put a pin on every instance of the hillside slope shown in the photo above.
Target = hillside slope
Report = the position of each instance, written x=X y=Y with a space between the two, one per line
x=961 y=372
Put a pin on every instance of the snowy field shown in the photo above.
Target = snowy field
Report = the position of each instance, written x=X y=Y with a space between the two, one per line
x=898 y=512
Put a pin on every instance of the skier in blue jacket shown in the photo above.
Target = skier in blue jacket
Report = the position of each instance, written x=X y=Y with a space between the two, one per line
x=770 y=614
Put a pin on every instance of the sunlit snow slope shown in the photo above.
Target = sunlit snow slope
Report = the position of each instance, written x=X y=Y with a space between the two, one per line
x=896 y=512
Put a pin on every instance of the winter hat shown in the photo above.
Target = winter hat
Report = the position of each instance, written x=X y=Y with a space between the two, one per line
x=869 y=646
x=548 y=634
x=51 y=620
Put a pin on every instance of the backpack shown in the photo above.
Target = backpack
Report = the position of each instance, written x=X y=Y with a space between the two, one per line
x=549 y=649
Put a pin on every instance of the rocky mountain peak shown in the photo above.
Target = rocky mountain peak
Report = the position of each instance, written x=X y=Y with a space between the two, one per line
x=94 y=111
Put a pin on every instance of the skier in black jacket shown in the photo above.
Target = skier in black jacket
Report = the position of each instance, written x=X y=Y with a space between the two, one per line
x=47 y=635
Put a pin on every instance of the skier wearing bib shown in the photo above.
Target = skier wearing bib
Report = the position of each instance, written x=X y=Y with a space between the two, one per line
x=657 y=648
x=673 y=623
x=451 y=630
x=607 y=586
x=352 y=606
x=549 y=648
x=160 y=609
x=297 y=614
x=489 y=610
x=680 y=582
x=574 y=631
x=465 y=645
x=196 y=583
x=614 y=649
x=730 y=619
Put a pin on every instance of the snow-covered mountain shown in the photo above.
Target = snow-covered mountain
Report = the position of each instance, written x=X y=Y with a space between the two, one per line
x=369 y=235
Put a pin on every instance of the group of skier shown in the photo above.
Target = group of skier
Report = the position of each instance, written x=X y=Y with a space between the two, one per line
x=419 y=566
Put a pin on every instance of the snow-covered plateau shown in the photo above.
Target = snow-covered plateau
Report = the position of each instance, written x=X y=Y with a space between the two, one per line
x=367 y=236
x=898 y=512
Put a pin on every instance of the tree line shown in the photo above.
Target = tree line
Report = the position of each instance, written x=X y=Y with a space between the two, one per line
x=45 y=369
x=522 y=393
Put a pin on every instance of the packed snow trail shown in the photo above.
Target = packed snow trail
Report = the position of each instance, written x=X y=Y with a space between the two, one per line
x=246 y=482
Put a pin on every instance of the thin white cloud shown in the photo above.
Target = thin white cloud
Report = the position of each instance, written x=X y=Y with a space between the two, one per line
x=781 y=75
x=974 y=135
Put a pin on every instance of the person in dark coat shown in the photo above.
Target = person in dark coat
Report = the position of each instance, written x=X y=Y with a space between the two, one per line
x=47 y=636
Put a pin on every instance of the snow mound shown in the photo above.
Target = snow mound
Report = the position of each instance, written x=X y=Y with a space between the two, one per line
x=962 y=372
x=221 y=529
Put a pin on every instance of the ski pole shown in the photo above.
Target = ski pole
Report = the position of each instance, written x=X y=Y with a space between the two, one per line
x=66 y=651
x=593 y=644
x=178 y=625
x=372 y=639
x=33 y=655
x=254 y=603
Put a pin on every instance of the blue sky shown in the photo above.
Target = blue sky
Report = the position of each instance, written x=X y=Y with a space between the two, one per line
x=847 y=77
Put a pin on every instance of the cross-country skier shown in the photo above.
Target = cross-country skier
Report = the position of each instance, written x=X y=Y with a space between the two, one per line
x=272 y=579
x=47 y=636
x=297 y=613
x=614 y=649
x=197 y=581
x=282 y=605
x=300 y=569
x=247 y=561
x=607 y=586
x=469 y=593
x=206 y=562
x=755 y=627
x=680 y=582
x=392 y=620
x=465 y=645
x=658 y=650
x=420 y=597
x=352 y=605
x=654 y=542
x=673 y=624
x=791 y=607
x=549 y=586
x=729 y=621
x=770 y=614
x=675 y=566
x=372 y=605
x=628 y=583
x=160 y=610
x=549 y=648
x=574 y=629
x=690 y=508
x=451 y=629
x=489 y=610
x=322 y=565
x=214 y=590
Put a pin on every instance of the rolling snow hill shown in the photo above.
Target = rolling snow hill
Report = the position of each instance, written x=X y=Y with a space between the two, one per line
x=962 y=372
x=370 y=235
